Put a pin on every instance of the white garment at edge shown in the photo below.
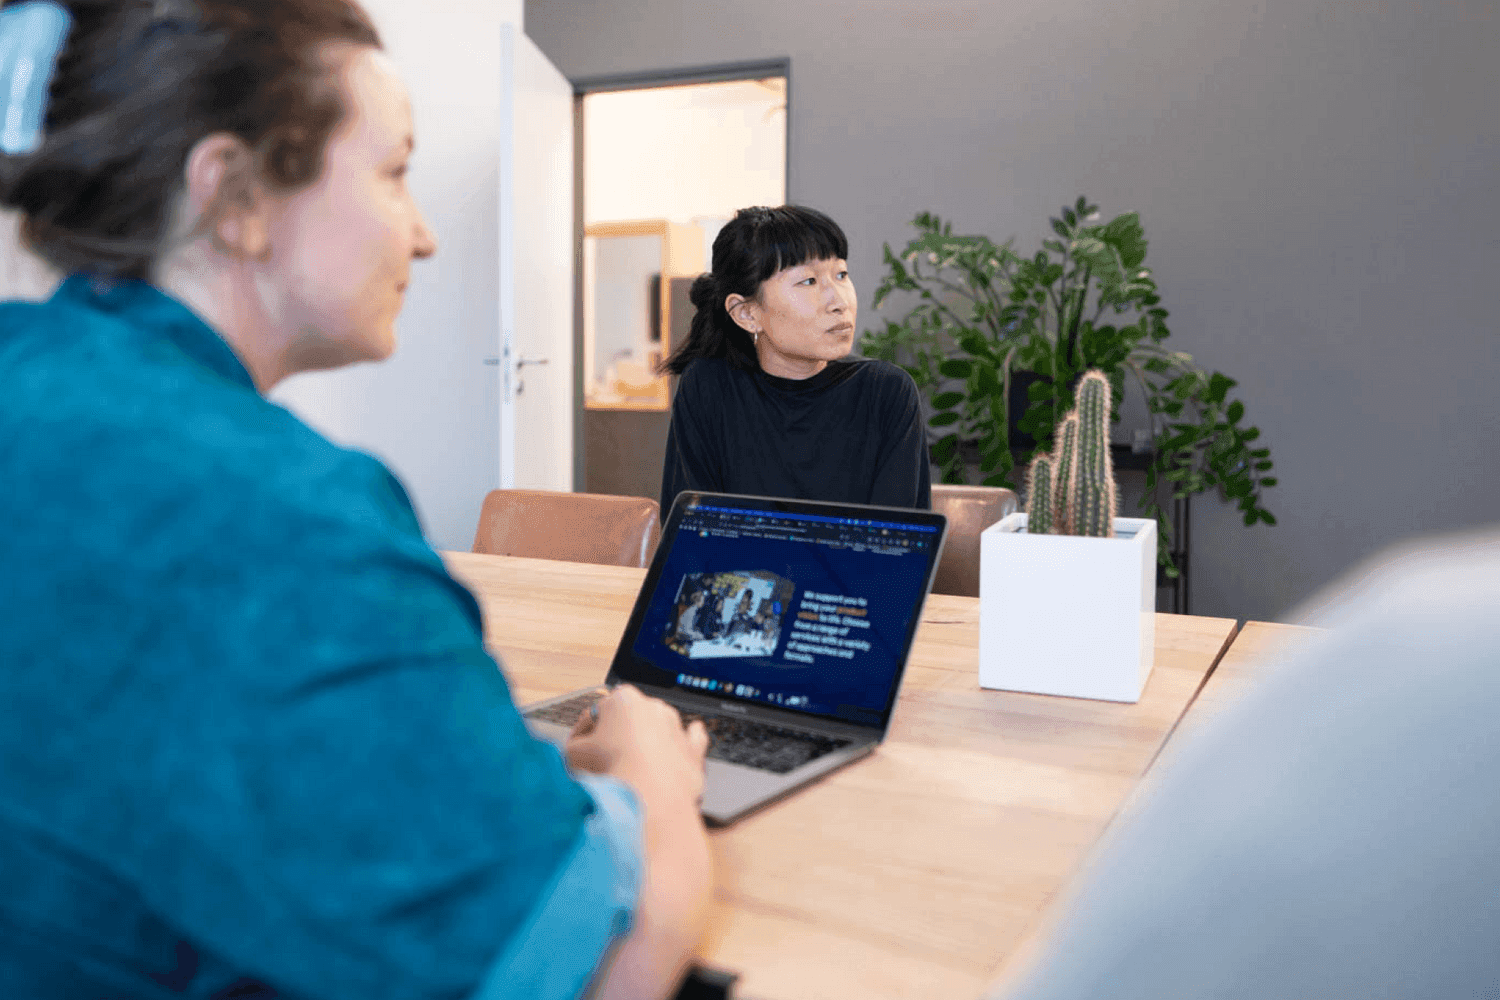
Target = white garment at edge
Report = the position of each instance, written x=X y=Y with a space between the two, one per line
x=1334 y=835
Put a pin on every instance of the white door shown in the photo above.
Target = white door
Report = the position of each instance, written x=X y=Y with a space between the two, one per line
x=536 y=269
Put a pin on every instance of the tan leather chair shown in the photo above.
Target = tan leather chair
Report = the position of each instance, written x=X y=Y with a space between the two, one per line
x=970 y=509
x=576 y=527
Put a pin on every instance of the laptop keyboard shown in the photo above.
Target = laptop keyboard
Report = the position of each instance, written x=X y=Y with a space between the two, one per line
x=730 y=739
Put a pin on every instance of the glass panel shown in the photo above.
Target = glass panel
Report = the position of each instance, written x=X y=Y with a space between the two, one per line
x=622 y=317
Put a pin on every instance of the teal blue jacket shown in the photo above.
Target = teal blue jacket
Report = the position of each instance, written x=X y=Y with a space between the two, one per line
x=251 y=743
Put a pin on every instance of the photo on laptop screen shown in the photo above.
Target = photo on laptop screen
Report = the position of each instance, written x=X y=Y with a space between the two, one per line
x=784 y=607
x=735 y=614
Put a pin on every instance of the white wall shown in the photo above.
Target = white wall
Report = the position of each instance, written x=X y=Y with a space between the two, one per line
x=431 y=412
x=683 y=153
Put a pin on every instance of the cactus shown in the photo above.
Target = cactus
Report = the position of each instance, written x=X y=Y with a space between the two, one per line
x=1073 y=492
x=1039 y=489
x=1065 y=474
x=1092 y=501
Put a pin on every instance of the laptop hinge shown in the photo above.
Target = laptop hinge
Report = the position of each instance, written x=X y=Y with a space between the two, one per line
x=768 y=714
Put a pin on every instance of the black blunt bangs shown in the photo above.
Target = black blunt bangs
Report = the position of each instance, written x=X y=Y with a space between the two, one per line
x=794 y=235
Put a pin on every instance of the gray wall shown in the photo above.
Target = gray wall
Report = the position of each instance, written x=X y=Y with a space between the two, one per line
x=1317 y=180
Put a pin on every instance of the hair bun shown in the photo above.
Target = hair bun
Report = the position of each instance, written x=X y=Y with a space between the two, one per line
x=138 y=85
x=705 y=291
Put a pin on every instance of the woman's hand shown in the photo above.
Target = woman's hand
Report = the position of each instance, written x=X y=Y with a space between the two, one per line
x=642 y=742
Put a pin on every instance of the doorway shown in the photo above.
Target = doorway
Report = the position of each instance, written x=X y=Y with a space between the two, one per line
x=664 y=162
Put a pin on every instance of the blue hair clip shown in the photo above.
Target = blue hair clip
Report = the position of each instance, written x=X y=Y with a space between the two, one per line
x=31 y=37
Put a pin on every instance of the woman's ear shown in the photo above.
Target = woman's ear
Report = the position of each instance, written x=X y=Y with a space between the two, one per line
x=745 y=313
x=223 y=194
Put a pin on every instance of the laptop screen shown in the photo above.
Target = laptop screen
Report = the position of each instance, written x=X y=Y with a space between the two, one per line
x=793 y=604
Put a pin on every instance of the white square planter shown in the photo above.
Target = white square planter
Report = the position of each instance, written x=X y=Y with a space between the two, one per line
x=1061 y=614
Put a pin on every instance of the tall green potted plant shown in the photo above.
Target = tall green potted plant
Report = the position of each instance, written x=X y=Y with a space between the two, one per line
x=987 y=323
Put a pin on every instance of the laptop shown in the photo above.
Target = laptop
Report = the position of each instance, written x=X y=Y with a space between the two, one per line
x=784 y=625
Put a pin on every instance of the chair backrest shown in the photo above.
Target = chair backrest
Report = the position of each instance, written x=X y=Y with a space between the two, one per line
x=576 y=527
x=970 y=509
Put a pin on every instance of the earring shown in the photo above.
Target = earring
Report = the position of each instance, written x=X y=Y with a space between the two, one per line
x=754 y=337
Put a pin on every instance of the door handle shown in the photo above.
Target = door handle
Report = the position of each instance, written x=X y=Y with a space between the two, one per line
x=521 y=363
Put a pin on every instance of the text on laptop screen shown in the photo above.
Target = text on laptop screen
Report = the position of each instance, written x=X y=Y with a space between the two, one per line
x=802 y=611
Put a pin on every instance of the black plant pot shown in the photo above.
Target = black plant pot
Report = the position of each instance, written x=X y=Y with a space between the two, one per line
x=1021 y=444
x=1020 y=399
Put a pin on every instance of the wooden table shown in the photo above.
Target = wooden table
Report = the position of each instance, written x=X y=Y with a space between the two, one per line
x=1255 y=652
x=920 y=870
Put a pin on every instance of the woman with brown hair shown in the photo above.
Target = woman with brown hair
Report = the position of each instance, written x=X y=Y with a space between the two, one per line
x=254 y=745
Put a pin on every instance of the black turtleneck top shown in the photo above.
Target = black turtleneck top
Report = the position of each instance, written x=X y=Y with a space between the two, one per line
x=852 y=433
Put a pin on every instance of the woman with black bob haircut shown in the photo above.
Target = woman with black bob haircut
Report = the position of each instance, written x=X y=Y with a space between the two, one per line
x=253 y=744
x=768 y=402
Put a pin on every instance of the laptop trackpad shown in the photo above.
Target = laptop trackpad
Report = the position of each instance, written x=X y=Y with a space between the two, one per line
x=730 y=789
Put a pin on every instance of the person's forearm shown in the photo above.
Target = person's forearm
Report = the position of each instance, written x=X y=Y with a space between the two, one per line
x=675 y=887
